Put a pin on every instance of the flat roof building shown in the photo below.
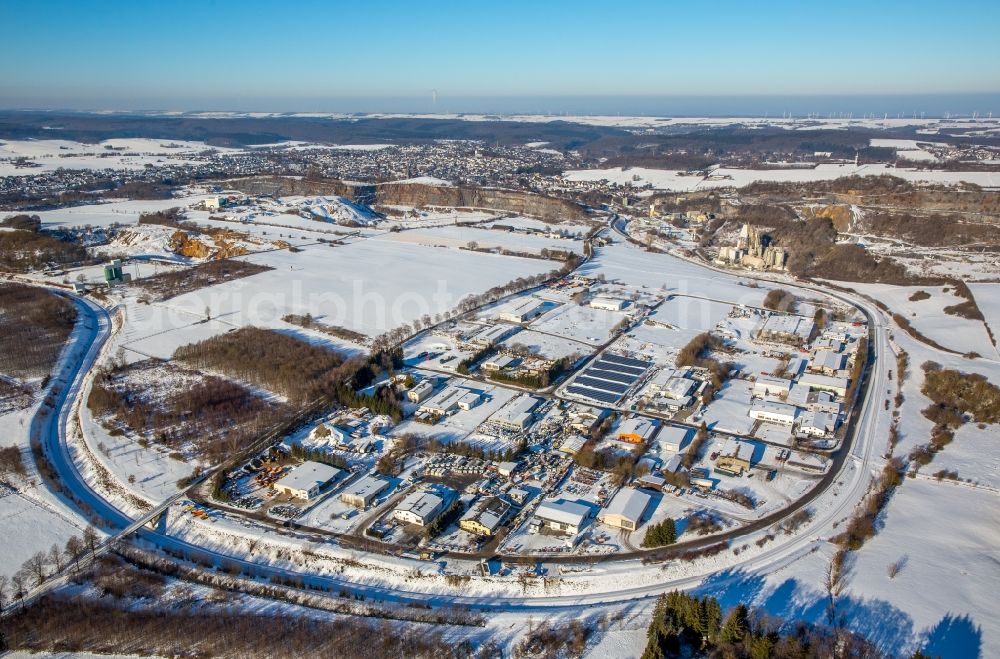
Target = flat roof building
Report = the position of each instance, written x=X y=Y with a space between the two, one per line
x=772 y=412
x=607 y=303
x=792 y=330
x=447 y=400
x=522 y=311
x=768 y=385
x=490 y=335
x=499 y=363
x=626 y=509
x=306 y=480
x=817 y=382
x=672 y=438
x=562 y=516
x=517 y=414
x=637 y=429
x=363 y=492
x=506 y=469
x=420 y=508
x=817 y=424
x=826 y=362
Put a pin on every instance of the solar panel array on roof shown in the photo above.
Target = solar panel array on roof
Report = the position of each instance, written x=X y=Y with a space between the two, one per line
x=601 y=396
x=614 y=376
x=626 y=361
x=607 y=379
x=606 y=385
x=619 y=368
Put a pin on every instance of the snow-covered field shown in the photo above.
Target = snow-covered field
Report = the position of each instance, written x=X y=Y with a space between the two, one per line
x=626 y=262
x=579 y=323
x=113 y=212
x=722 y=177
x=928 y=316
x=988 y=299
x=460 y=237
x=131 y=153
x=368 y=286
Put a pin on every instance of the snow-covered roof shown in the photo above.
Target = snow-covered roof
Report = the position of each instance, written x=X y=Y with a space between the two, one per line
x=787 y=325
x=515 y=410
x=770 y=382
x=826 y=359
x=307 y=475
x=638 y=425
x=817 y=381
x=673 y=434
x=629 y=503
x=366 y=487
x=563 y=512
x=734 y=448
x=773 y=408
x=419 y=503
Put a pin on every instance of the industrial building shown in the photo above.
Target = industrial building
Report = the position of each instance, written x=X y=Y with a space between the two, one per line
x=517 y=414
x=113 y=273
x=735 y=457
x=637 y=430
x=561 y=516
x=306 y=480
x=826 y=362
x=626 y=509
x=817 y=424
x=607 y=379
x=486 y=517
x=572 y=444
x=489 y=336
x=522 y=311
x=772 y=412
x=420 y=391
x=767 y=385
x=608 y=303
x=789 y=330
x=817 y=382
x=420 y=508
x=672 y=438
x=450 y=399
x=362 y=493
x=499 y=363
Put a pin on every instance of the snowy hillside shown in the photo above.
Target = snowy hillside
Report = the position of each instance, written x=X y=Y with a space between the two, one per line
x=339 y=210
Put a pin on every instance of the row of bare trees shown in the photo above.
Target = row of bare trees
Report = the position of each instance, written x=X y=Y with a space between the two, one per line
x=400 y=334
x=42 y=565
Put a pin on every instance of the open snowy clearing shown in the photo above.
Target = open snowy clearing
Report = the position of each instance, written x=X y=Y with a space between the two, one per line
x=988 y=299
x=928 y=316
x=626 y=262
x=368 y=286
x=725 y=177
x=132 y=153
x=113 y=212
x=460 y=237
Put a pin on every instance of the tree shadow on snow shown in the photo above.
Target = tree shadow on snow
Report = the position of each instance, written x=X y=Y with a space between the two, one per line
x=954 y=636
x=888 y=627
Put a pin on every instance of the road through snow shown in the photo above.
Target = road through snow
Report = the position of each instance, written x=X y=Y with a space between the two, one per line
x=782 y=551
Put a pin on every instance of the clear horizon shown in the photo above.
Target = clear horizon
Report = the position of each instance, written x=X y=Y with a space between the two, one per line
x=822 y=107
x=641 y=58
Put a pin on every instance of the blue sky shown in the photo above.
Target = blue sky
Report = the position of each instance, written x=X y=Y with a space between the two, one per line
x=306 y=55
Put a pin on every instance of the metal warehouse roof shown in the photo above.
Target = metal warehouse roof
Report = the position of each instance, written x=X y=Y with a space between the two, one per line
x=366 y=486
x=308 y=475
x=564 y=512
x=628 y=503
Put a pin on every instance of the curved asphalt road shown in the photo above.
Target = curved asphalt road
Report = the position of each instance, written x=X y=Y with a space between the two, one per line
x=783 y=551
